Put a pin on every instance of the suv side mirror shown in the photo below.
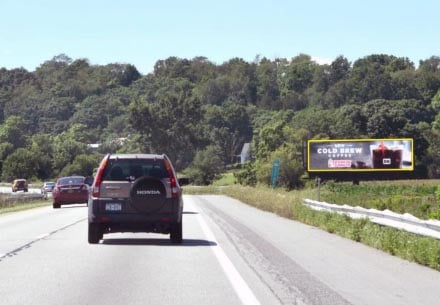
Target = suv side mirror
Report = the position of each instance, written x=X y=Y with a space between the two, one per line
x=183 y=181
x=89 y=180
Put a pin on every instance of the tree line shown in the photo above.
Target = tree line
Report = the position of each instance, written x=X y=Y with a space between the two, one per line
x=201 y=113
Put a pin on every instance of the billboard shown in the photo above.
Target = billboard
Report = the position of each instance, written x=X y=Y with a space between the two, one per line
x=360 y=155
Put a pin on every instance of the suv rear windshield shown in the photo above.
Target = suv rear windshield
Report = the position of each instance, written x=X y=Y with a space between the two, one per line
x=131 y=169
x=71 y=180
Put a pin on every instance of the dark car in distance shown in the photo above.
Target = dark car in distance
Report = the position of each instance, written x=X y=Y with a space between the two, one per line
x=70 y=190
x=135 y=193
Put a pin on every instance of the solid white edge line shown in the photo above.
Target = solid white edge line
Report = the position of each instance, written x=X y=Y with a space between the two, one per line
x=242 y=289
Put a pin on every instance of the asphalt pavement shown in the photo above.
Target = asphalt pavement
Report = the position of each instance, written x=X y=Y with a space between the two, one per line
x=231 y=254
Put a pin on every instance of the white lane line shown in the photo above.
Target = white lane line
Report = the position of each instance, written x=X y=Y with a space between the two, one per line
x=242 y=289
x=42 y=236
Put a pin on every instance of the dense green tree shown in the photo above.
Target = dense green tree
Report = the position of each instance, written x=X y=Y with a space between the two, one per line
x=270 y=138
x=428 y=78
x=172 y=67
x=338 y=95
x=42 y=148
x=290 y=168
x=83 y=164
x=201 y=69
x=214 y=91
x=404 y=85
x=288 y=152
x=386 y=118
x=15 y=131
x=432 y=153
x=316 y=121
x=339 y=70
x=5 y=150
x=9 y=81
x=435 y=102
x=206 y=166
x=349 y=123
x=247 y=174
x=170 y=124
x=107 y=113
x=295 y=78
x=27 y=103
x=230 y=128
x=268 y=92
x=371 y=80
x=68 y=145
x=299 y=73
x=55 y=114
x=187 y=105
x=20 y=164
x=261 y=118
x=242 y=81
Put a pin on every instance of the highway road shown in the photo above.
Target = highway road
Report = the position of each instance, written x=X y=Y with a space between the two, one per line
x=231 y=254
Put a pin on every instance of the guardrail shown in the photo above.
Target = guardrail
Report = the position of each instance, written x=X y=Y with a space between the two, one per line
x=388 y=218
x=11 y=197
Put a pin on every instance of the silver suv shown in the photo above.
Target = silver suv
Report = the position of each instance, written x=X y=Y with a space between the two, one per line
x=135 y=193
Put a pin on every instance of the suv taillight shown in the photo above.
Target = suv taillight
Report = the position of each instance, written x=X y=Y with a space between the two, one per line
x=173 y=181
x=98 y=178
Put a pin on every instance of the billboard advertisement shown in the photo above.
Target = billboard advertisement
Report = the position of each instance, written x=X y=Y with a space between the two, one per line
x=360 y=155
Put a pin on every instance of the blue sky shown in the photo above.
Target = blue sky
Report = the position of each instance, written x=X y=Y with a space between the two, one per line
x=141 y=32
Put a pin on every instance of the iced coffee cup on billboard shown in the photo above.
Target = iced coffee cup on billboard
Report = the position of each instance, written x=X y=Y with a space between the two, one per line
x=386 y=157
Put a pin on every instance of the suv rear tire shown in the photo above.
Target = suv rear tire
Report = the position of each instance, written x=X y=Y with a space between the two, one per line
x=95 y=233
x=176 y=233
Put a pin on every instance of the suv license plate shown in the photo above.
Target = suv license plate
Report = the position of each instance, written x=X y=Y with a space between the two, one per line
x=113 y=207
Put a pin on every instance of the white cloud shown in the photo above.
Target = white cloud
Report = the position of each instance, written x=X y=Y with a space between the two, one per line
x=322 y=60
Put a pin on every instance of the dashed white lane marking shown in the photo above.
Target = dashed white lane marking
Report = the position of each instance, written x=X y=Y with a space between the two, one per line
x=242 y=289
x=38 y=238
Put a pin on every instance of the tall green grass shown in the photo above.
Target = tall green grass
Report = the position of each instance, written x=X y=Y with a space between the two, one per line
x=225 y=179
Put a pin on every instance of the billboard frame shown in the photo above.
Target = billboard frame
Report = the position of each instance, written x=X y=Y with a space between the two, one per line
x=338 y=171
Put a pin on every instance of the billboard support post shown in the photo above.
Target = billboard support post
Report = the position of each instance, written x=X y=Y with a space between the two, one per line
x=318 y=179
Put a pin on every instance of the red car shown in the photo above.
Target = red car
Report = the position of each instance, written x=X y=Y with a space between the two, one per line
x=70 y=190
